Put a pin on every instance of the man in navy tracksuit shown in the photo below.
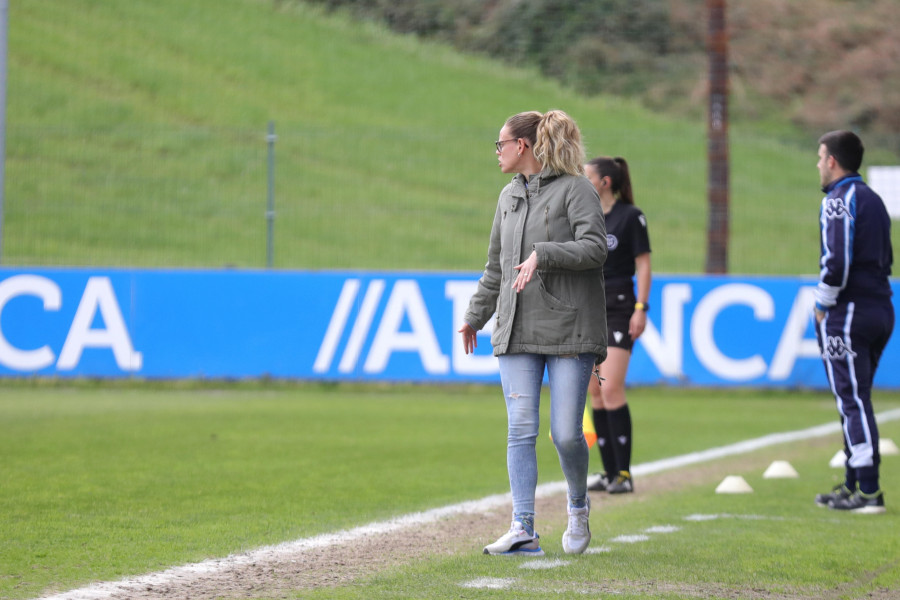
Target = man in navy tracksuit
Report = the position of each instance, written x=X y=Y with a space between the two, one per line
x=854 y=312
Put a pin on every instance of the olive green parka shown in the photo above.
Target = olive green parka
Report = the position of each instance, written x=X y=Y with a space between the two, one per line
x=562 y=310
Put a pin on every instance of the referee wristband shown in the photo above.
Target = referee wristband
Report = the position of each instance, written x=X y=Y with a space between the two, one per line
x=641 y=306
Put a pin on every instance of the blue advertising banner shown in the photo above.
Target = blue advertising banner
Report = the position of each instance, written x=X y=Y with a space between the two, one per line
x=378 y=326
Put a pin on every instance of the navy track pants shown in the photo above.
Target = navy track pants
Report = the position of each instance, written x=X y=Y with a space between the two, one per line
x=852 y=337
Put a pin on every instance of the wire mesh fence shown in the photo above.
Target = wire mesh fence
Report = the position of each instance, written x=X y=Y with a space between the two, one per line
x=362 y=197
x=168 y=196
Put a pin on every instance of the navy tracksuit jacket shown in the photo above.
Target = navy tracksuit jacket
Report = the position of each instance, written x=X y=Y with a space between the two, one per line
x=855 y=292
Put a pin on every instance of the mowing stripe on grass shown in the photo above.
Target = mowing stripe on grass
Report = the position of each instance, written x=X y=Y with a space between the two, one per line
x=99 y=591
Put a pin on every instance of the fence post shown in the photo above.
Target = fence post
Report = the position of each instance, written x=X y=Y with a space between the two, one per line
x=4 y=30
x=270 y=203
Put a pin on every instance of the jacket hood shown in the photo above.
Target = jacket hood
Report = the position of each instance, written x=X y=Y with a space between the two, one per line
x=535 y=181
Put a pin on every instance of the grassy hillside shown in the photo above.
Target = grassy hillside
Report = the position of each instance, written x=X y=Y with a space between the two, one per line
x=136 y=136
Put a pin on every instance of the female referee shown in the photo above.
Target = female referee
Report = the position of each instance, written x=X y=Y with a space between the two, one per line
x=626 y=314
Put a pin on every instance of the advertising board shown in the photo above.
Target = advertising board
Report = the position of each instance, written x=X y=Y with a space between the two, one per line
x=378 y=326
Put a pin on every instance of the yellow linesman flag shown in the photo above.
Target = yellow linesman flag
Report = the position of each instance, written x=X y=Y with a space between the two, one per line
x=590 y=434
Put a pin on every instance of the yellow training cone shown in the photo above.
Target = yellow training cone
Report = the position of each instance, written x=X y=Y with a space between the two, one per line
x=590 y=434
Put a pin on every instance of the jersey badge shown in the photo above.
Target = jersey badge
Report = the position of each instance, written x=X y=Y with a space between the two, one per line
x=612 y=242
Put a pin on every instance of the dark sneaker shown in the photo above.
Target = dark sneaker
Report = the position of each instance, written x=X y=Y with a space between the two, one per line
x=864 y=504
x=598 y=483
x=839 y=492
x=622 y=484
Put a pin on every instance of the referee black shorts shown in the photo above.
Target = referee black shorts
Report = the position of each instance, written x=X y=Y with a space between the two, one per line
x=620 y=301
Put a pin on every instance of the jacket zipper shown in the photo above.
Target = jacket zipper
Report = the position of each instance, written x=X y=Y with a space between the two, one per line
x=547 y=221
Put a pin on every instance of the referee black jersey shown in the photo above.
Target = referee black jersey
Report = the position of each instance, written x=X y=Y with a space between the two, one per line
x=626 y=238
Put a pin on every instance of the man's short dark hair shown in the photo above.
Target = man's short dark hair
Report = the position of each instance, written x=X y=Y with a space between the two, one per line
x=846 y=148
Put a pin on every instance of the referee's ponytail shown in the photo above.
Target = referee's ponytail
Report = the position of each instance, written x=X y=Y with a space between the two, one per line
x=619 y=177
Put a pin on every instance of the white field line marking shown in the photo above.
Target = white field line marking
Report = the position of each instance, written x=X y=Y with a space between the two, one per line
x=662 y=529
x=630 y=539
x=730 y=516
x=539 y=564
x=103 y=590
x=490 y=583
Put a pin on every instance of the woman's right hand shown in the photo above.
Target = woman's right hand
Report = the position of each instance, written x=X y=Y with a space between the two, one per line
x=469 y=337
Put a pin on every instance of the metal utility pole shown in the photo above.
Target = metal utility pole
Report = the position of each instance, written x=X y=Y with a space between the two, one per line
x=717 y=140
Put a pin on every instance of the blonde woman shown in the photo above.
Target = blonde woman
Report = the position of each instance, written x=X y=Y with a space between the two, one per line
x=544 y=281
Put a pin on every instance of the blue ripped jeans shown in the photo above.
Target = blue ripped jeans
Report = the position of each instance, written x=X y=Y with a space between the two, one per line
x=522 y=376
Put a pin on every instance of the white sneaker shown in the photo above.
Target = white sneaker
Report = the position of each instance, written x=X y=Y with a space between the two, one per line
x=516 y=541
x=578 y=534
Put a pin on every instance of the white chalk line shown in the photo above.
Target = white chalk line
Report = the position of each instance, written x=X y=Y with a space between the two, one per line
x=489 y=583
x=544 y=563
x=102 y=590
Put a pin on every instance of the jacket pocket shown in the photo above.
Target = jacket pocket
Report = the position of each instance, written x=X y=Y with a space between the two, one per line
x=554 y=321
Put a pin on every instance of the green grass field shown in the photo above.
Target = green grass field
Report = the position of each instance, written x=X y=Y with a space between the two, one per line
x=136 y=137
x=102 y=482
